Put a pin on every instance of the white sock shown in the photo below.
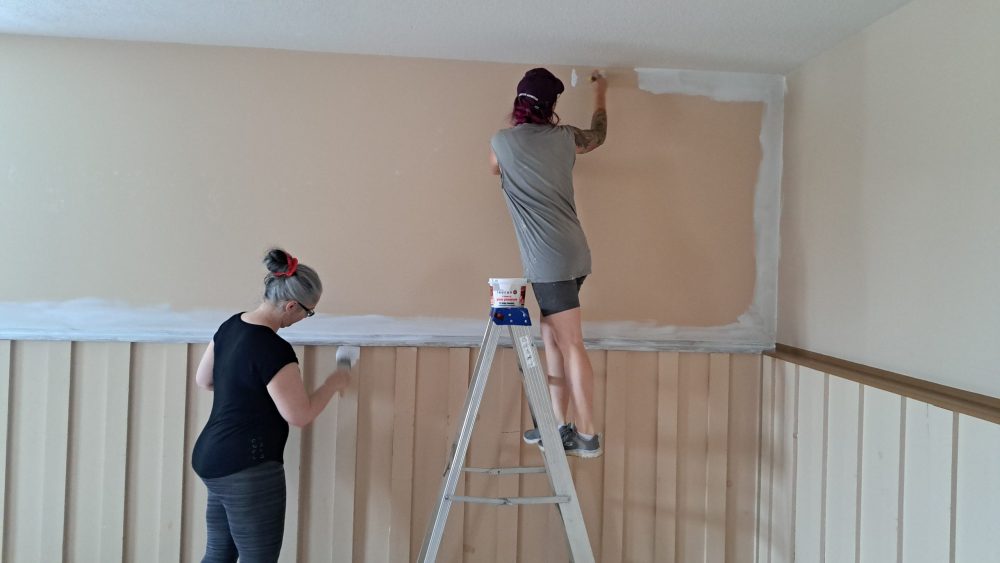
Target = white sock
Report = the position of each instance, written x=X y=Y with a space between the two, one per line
x=587 y=437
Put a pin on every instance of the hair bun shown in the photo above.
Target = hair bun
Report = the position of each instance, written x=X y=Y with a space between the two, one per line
x=276 y=260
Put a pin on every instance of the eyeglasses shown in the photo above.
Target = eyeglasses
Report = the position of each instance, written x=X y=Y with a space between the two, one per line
x=309 y=312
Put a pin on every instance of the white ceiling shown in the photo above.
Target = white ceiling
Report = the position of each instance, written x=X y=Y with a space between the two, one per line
x=772 y=36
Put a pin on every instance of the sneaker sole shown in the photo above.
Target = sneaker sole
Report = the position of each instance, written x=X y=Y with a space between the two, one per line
x=585 y=454
x=530 y=442
x=578 y=453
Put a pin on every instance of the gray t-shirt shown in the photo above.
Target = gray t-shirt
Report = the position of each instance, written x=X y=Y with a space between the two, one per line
x=536 y=164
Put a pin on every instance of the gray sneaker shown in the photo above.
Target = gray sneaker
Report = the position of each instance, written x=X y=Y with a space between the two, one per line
x=533 y=436
x=578 y=446
x=566 y=431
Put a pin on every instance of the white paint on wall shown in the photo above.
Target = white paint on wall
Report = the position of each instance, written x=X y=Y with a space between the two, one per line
x=746 y=87
x=101 y=320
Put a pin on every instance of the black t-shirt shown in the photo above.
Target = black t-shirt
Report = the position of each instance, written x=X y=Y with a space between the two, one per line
x=245 y=428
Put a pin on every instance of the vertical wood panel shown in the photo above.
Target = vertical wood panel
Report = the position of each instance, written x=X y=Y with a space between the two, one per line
x=717 y=460
x=38 y=442
x=291 y=539
x=317 y=441
x=614 y=458
x=403 y=427
x=532 y=521
x=978 y=491
x=373 y=497
x=345 y=459
x=199 y=406
x=640 y=457
x=692 y=433
x=430 y=452
x=98 y=439
x=56 y=448
x=783 y=454
x=155 y=453
x=744 y=443
x=588 y=475
x=927 y=496
x=810 y=470
x=511 y=391
x=665 y=542
x=880 y=476
x=453 y=397
x=5 y=374
x=765 y=500
x=843 y=441
x=480 y=526
x=327 y=496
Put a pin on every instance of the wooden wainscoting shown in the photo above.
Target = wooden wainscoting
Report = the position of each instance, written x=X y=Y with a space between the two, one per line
x=97 y=439
x=861 y=466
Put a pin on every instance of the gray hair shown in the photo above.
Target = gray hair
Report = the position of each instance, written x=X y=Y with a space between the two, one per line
x=303 y=285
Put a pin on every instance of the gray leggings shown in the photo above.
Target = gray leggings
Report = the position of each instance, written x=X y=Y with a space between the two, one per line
x=246 y=515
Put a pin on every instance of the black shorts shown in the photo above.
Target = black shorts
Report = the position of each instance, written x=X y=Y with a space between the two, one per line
x=556 y=297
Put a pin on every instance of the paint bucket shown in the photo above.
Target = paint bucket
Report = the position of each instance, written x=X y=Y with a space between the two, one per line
x=507 y=292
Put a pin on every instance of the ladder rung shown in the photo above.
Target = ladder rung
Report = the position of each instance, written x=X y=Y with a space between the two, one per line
x=510 y=500
x=504 y=470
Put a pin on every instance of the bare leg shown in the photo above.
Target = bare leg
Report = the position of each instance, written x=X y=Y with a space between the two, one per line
x=556 y=376
x=567 y=332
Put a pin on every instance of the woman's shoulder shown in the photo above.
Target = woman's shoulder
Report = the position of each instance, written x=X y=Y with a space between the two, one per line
x=502 y=133
x=229 y=324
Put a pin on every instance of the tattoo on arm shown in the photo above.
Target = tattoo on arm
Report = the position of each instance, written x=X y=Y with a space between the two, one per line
x=594 y=137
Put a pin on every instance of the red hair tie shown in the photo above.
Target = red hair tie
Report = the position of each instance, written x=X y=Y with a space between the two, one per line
x=293 y=264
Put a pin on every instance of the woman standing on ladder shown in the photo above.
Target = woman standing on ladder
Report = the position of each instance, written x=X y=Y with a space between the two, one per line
x=534 y=160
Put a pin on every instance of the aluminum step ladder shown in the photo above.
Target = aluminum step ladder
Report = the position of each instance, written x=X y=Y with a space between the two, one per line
x=518 y=322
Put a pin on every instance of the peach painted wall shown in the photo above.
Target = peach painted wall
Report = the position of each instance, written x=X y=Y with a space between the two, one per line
x=158 y=174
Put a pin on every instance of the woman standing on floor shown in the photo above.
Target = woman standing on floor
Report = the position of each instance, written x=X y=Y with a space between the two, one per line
x=535 y=159
x=258 y=393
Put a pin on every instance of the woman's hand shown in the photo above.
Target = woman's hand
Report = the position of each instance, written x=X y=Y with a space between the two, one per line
x=339 y=380
x=599 y=82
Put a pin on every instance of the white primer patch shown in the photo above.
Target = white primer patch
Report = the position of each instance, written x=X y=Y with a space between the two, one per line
x=762 y=315
x=101 y=320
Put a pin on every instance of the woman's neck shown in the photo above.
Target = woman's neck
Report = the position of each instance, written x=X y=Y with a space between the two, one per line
x=265 y=315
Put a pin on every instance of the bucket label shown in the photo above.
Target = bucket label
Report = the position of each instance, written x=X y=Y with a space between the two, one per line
x=528 y=351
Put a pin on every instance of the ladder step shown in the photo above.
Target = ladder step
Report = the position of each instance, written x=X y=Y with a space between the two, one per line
x=503 y=501
x=504 y=470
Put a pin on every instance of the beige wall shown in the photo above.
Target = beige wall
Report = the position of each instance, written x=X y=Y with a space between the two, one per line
x=891 y=196
x=158 y=174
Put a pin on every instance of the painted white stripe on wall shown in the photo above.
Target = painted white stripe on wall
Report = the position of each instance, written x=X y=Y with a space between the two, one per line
x=100 y=320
